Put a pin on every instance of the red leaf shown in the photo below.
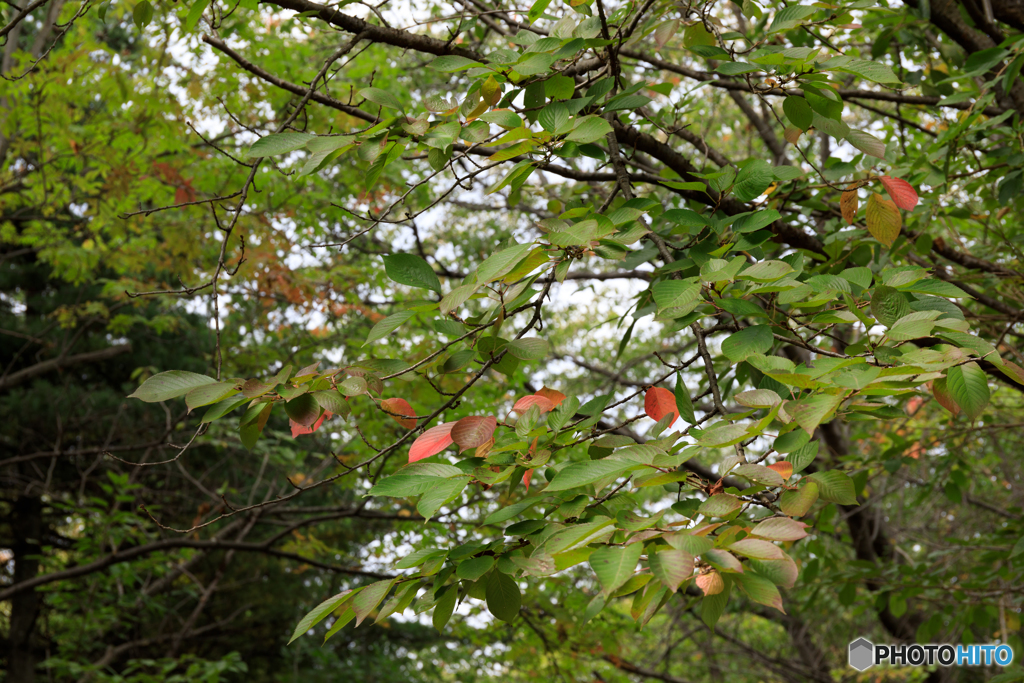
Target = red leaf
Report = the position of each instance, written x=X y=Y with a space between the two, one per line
x=299 y=430
x=431 y=442
x=784 y=468
x=556 y=397
x=470 y=432
x=902 y=193
x=660 y=402
x=526 y=479
x=523 y=404
x=397 y=407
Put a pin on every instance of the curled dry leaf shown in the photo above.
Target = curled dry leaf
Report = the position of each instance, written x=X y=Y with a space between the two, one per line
x=431 y=442
x=473 y=431
x=542 y=402
x=400 y=411
x=660 y=402
x=848 y=204
x=903 y=193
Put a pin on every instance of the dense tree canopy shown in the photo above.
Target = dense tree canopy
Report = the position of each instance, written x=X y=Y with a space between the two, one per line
x=580 y=341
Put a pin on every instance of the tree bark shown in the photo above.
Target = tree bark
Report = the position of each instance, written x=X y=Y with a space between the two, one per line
x=27 y=527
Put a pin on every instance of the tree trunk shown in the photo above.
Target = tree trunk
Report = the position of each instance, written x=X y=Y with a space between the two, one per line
x=27 y=526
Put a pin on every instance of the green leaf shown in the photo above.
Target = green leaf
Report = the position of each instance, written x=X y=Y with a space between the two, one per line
x=221 y=409
x=760 y=590
x=671 y=567
x=171 y=384
x=614 y=565
x=797 y=503
x=530 y=348
x=969 y=387
x=414 y=479
x=589 y=129
x=835 y=487
x=684 y=404
x=194 y=13
x=812 y=411
x=766 y=271
x=713 y=606
x=790 y=17
x=441 y=493
x=587 y=472
x=209 y=393
x=381 y=97
x=279 y=143
x=388 y=325
x=720 y=505
x=503 y=596
x=500 y=264
x=867 y=143
x=876 y=72
x=452 y=63
x=331 y=400
x=888 y=305
x=408 y=269
x=752 y=180
x=321 y=611
x=473 y=568
x=455 y=298
x=798 y=112
x=142 y=14
x=369 y=597
x=749 y=340
x=303 y=409
x=444 y=607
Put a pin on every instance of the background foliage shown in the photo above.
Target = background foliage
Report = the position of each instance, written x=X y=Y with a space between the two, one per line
x=705 y=265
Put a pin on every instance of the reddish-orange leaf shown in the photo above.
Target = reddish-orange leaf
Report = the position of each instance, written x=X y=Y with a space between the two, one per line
x=711 y=583
x=941 y=393
x=400 y=411
x=431 y=442
x=527 y=477
x=848 y=204
x=903 y=193
x=660 y=402
x=555 y=397
x=523 y=404
x=470 y=432
x=299 y=430
x=784 y=468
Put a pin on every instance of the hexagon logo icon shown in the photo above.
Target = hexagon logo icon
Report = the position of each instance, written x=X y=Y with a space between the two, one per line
x=862 y=654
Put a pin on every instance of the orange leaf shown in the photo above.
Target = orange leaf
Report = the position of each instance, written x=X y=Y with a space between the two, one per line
x=848 y=204
x=792 y=134
x=555 y=397
x=660 y=402
x=527 y=477
x=711 y=583
x=299 y=430
x=523 y=404
x=883 y=219
x=400 y=411
x=903 y=193
x=784 y=468
x=470 y=432
x=431 y=442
